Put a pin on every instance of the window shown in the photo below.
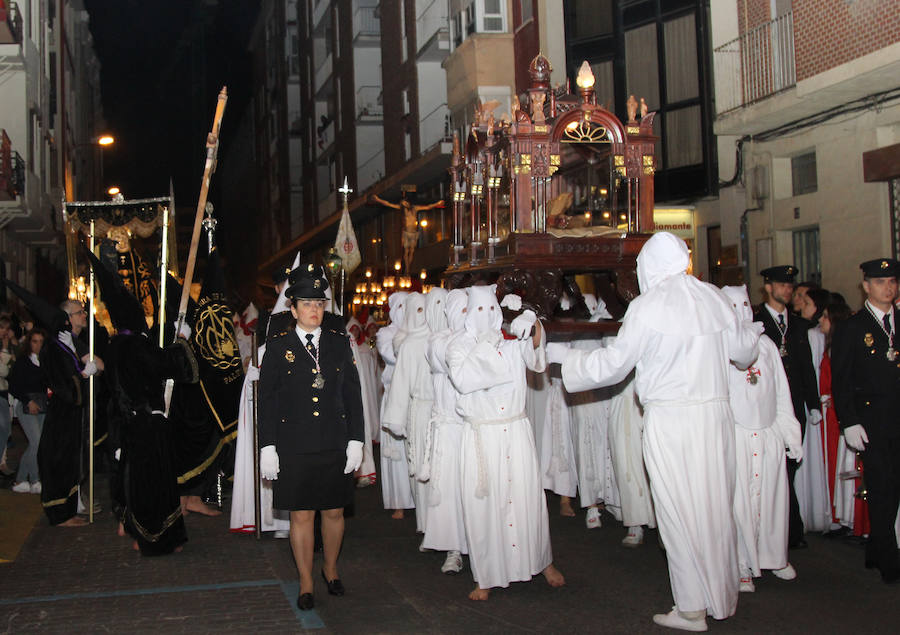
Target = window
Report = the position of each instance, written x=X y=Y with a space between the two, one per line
x=803 y=173
x=806 y=254
x=493 y=16
x=592 y=18
x=526 y=11
x=403 y=44
x=456 y=24
x=337 y=32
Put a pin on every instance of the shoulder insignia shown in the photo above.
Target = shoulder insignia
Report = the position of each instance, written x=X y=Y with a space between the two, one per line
x=289 y=355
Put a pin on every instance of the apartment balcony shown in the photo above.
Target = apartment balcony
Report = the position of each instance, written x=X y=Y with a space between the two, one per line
x=435 y=129
x=320 y=10
x=756 y=65
x=12 y=170
x=10 y=23
x=366 y=27
x=369 y=108
x=322 y=75
x=324 y=141
x=757 y=88
x=433 y=33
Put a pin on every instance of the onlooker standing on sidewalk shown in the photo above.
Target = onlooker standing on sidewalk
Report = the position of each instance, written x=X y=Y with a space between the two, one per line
x=26 y=384
x=7 y=357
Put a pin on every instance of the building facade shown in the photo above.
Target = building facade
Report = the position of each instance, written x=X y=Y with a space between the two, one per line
x=50 y=121
x=808 y=125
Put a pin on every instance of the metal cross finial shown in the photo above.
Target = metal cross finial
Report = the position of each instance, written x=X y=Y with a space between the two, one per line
x=346 y=191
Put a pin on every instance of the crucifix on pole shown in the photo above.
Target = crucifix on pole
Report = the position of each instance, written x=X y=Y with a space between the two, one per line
x=345 y=191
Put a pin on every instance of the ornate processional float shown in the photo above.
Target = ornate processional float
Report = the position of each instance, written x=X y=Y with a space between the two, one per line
x=561 y=190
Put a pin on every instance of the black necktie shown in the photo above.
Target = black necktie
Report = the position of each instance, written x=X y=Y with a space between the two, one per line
x=309 y=344
x=887 y=322
x=781 y=322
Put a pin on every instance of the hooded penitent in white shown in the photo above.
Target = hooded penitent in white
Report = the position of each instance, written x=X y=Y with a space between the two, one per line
x=242 y=512
x=505 y=511
x=765 y=426
x=396 y=484
x=407 y=410
x=679 y=334
x=444 y=528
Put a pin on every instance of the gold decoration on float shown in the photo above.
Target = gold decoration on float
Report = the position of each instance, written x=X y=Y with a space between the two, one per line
x=585 y=132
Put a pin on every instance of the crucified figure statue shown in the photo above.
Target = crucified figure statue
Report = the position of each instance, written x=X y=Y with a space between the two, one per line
x=410 y=223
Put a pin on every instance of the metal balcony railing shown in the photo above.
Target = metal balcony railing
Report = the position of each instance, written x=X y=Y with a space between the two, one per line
x=366 y=22
x=10 y=23
x=755 y=65
x=435 y=128
x=369 y=103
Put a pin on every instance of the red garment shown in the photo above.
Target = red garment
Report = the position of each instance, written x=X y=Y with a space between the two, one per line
x=830 y=431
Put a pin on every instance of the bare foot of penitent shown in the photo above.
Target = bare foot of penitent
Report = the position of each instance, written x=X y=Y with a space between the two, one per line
x=553 y=576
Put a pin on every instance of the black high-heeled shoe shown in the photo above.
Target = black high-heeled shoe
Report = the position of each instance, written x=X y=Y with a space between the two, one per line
x=306 y=602
x=335 y=587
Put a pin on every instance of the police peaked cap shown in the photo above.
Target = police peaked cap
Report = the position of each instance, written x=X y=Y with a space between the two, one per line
x=881 y=268
x=280 y=275
x=781 y=273
x=307 y=282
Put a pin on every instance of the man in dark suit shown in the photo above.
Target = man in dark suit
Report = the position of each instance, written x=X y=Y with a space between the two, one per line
x=866 y=388
x=311 y=427
x=789 y=332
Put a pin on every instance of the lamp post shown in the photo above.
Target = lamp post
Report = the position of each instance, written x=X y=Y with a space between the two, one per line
x=101 y=142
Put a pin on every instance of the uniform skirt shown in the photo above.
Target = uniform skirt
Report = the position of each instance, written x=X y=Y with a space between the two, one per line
x=313 y=481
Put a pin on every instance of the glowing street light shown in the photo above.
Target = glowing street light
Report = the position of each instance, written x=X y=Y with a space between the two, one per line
x=113 y=191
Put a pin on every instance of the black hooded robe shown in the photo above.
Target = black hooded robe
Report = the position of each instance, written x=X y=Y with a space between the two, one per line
x=59 y=450
x=138 y=370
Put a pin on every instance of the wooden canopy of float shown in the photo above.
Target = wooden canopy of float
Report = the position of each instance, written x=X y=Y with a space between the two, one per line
x=511 y=184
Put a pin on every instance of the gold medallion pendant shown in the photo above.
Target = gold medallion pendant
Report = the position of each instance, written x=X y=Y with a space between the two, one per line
x=319 y=381
x=868 y=340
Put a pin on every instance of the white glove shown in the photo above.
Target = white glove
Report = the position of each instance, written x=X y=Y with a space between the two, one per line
x=354 y=456
x=565 y=302
x=491 y=337
x=268 y=463
x=815 y=417
x=90 y=368
x=184 y=331
x=512 y=302
x=252 y=373
x=855 y=437
x=522 y=325
x=755 y=327
x=556 y=352
x=795 y=453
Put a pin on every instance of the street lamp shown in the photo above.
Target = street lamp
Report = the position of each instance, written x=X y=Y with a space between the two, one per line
x=113 y=191
x=106 y=140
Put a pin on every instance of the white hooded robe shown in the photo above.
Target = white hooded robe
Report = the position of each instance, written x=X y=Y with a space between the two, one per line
x=505 y=510
x=679 y=334
x=764 y=425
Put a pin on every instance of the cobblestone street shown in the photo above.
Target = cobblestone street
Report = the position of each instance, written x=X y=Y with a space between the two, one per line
x=88 y=580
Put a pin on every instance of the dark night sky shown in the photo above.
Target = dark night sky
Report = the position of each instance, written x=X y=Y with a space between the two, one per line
x=159 y=133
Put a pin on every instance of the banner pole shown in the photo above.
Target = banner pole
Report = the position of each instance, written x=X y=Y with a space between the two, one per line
x=91 y=390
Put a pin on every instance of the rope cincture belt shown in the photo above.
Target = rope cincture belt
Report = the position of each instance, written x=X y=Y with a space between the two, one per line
x=685 y=404
x=481 y=490
x=433 y=452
